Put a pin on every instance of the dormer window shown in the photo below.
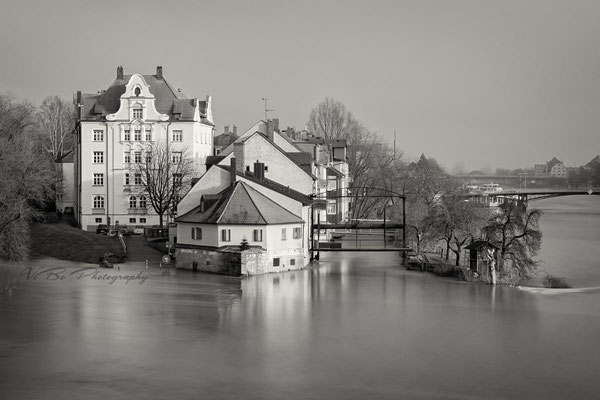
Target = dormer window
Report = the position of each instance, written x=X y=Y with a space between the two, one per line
x=137 y=91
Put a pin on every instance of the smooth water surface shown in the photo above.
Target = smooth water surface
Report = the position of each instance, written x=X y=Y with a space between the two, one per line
x=357 y=326
x=571 y=239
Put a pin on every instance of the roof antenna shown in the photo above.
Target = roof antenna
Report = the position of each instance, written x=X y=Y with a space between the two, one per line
x=266 y=109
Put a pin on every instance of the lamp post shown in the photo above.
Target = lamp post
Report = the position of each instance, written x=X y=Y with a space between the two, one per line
x=524 y=176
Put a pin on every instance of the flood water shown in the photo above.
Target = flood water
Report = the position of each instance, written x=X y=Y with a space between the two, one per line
x=356 y=326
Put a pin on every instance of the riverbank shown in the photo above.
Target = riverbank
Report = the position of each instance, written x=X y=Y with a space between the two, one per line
x=64 y=242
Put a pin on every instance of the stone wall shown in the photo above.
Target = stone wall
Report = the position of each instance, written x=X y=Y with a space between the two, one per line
x=215 y=261
x=252 y=261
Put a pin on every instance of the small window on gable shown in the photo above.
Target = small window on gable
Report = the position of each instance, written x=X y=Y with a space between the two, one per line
x=138 y=91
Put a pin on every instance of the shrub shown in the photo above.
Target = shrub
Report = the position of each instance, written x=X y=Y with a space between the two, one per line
x=555 y=282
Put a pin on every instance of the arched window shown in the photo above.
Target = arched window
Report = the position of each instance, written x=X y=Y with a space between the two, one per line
x=143 y=202
x=132 y=202
x=98 y=202
x=137 y=91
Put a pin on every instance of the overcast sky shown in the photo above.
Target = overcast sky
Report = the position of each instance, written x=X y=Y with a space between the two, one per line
x=472 y=83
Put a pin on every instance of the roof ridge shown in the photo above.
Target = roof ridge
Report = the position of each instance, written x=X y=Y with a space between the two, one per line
x=253 y=202
x=228 y=201
x=269 y=199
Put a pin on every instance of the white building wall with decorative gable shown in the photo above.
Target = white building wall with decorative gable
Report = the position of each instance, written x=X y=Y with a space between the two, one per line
x=105 y=180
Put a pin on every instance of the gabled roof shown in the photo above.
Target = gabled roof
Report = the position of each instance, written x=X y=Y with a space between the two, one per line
x=225 y=139
x=245 y=137
x=239 y=204
x=284 y=190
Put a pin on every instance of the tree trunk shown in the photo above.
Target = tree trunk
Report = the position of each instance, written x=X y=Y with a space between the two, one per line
x=160 y=219
x=458 y=258
x=447 y=250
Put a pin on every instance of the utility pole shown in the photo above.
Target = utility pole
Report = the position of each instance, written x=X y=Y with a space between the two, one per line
x=394 y=145
x=266 y=108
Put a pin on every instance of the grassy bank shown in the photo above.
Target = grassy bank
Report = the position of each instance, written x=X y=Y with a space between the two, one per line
x=65 y=242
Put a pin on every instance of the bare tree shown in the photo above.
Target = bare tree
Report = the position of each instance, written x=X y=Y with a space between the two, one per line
x=367 y=155
x=25 y=177
x=57 y=119
x=164 y=176
x=515 y=231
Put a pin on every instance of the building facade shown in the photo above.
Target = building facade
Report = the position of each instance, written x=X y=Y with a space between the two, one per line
x=117 y=129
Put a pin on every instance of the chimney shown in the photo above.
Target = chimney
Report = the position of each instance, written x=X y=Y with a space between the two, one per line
x=159 y=74
x=238 y=152
x=227 y=129
x=232 y=171
x=270 y=135
x=259 y=170
x=120 y=72
x=235 y=130
x=276 y=124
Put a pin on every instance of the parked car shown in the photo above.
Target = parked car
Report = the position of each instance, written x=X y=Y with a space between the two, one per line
x=102 y=229
x=138 y=230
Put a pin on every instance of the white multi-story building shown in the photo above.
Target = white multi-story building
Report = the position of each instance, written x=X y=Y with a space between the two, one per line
x=558 y=170
x=116 y=128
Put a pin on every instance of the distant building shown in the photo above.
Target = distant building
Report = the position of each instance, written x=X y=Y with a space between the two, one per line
x=116 y=127
x=540 y=169
x=225 y=139
x=558 y=171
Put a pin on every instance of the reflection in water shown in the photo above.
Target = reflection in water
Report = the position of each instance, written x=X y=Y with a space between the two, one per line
x=354 y=326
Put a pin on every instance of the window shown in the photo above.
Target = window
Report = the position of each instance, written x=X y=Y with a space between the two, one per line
x=98 y=202
x=98 y=135
x=137 y=134
x=98 y=220
x=59 y=197
x=127 y=135
x=137 y=179
x=331 y=207
x=148 y=157
x=132 y=202
x=143 y=203
x=127 y=157
x=293 y=261
x=177 y=178
x=127 y=178
x=176 y=157
x=98 y=179
x=283 y=234
x=197 y=233
x=138 y=112
x=132 y=220
x=257 y=235
x=148 y=135
x=98 y=157
x=142 y=220
x=226 y=235
x=276 y=262
x=177 y=136
x=137 y=157
x=297 y=233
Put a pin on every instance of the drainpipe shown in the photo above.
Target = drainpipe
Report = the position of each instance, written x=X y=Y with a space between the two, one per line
x=108 y=219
